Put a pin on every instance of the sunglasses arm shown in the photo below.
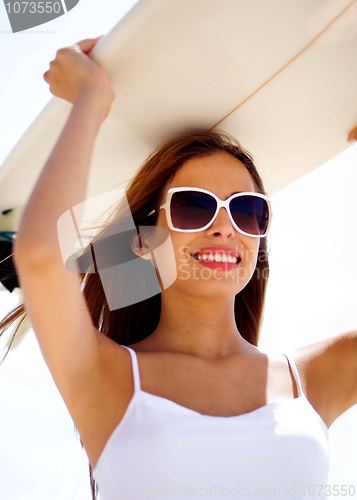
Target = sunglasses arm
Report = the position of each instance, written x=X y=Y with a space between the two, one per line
x=152 y=211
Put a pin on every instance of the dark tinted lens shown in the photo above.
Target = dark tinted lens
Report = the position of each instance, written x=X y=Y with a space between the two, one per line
x=192 y=209
x=250 y=213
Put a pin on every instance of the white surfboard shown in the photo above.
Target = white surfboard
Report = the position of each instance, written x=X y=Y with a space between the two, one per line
x=280 y=75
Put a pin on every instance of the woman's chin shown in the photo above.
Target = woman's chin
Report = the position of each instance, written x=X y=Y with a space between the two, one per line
x=212 y=287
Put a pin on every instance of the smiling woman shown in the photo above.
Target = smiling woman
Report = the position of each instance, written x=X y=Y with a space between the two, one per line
x=171 y=393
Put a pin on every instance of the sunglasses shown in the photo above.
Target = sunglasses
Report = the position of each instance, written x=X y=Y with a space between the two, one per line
x=191 y=209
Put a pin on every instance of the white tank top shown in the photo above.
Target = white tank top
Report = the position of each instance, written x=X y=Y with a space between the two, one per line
x=161 y=449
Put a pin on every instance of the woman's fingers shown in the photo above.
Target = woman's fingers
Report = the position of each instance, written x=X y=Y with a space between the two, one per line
x=88 y=44
x=73 y=70
x=352 y=136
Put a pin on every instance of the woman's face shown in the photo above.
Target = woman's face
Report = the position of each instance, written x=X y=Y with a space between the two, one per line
x=223 y=175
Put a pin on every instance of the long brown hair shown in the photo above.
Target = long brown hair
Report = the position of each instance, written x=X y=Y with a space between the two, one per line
x=135 y=322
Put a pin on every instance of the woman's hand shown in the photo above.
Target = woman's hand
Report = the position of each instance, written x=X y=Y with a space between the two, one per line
x=73 y=72
x=352 y=136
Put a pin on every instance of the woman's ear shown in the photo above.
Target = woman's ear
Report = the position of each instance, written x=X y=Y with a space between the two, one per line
x=140 y=248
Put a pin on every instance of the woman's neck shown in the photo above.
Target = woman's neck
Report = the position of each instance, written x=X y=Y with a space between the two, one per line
x=199 y=326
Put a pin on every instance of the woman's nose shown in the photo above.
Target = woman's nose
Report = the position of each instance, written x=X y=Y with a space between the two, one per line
x=222 y=224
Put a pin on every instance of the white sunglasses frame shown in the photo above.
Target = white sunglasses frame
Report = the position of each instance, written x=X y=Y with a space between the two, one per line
x=220 y=204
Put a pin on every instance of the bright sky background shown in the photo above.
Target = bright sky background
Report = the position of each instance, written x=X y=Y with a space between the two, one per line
x=311 y=294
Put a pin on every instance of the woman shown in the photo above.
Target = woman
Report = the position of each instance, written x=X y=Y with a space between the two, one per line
x=171 y=396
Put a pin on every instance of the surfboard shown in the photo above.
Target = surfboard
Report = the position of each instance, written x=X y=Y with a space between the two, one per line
x=279 y=75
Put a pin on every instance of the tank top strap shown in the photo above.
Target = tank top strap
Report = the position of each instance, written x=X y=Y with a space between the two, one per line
x=135 y=368
x=295 y=373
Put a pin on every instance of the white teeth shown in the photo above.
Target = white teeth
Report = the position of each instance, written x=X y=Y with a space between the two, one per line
x=217 y=258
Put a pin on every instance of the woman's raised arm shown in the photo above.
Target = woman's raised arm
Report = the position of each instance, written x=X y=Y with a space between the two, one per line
x=57 y=309
x=62 y=184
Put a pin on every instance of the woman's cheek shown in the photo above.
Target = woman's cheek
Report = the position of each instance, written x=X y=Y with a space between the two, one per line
x=183 y=254
x=250 y=259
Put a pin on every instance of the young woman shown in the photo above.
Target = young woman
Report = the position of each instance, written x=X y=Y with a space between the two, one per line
x=171 y=395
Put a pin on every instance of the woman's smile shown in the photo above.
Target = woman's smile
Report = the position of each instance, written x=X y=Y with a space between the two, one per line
x=224 y=259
